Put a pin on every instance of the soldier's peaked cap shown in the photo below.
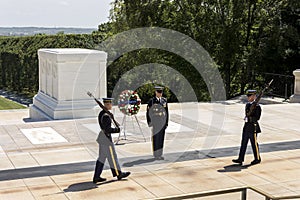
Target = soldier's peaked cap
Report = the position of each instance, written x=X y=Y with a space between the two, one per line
x=250 y=92
x=158 y=88
x=107 y=100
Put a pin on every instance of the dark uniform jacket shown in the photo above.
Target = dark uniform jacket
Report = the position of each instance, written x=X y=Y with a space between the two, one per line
x=251 y=122
x=157 y=111
x=104 y=121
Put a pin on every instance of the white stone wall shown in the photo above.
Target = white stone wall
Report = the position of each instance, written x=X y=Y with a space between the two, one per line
x=64 y=77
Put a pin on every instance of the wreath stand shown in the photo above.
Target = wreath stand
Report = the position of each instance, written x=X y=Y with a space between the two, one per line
x=124 y=128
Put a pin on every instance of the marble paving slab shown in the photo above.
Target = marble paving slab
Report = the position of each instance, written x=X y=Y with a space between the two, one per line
x=94 y=127
x=44 y=135
x=174 y=127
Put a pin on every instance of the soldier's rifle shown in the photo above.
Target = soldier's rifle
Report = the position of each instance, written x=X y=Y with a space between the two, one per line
x=254 y=104
x=105 y=109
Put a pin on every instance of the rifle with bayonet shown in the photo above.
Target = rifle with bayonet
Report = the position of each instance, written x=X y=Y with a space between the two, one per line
x=254 y=104
x=105 y=109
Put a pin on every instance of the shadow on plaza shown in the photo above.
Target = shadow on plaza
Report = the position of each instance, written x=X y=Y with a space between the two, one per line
x=234 y=168
x=70 y=168
x=170 y=157
x=78 y=187
x=138 y=162
x=83 y=186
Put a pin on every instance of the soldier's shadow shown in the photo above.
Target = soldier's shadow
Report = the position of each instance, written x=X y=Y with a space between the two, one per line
x=78 y=187
x=138 y=162
x=234 y=168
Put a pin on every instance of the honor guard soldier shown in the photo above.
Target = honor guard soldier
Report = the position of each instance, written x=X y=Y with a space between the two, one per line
x=250 y=130
x=106 y=145
x=157 y=118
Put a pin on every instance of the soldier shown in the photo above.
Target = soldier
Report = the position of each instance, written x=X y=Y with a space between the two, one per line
x=250 y=130
x=158 y=117
x=106 y=146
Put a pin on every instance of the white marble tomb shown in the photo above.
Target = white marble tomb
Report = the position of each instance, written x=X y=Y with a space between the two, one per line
x=65 y=75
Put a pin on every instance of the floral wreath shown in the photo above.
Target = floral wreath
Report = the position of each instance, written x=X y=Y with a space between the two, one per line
x=129 y=102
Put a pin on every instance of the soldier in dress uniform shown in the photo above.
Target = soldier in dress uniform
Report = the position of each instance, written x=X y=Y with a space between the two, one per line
x=250 y=130
x=106 y=146
x=157 y=118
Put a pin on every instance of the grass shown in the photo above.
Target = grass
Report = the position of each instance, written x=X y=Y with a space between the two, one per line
x=6 y=104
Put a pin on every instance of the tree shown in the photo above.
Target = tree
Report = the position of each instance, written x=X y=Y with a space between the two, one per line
x=244 y=37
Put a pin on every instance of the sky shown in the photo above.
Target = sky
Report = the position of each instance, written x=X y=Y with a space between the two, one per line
x=54 y=13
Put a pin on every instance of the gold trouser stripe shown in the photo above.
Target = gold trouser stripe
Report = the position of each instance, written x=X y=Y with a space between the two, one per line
x=256 y=144
x=113 y=159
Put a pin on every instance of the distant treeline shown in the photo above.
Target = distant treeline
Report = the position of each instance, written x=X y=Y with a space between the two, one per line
x=28 y=31
x=19 y=59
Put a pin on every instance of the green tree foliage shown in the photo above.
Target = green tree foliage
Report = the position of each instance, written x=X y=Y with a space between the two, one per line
x=242 y=36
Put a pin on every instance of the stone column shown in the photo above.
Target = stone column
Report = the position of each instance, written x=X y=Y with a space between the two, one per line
x=65 y=75
x=295 y=98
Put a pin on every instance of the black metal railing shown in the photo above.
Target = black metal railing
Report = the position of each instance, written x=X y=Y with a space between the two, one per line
x=243 y=191
x=282 y=86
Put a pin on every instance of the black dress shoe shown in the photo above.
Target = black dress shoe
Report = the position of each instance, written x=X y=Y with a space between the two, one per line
x=99 y=179
x=159 y=158
x=123 y=175
x=254 y=162
x=237 y=161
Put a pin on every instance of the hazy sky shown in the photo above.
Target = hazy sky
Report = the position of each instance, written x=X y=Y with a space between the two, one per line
x=54 y=13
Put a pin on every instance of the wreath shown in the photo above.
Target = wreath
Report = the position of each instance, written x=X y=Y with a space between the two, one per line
x=129 y=102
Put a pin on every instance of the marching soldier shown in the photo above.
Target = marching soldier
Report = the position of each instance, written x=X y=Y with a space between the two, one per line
x=106 y=146
x=250 y=130
x=158 y=117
